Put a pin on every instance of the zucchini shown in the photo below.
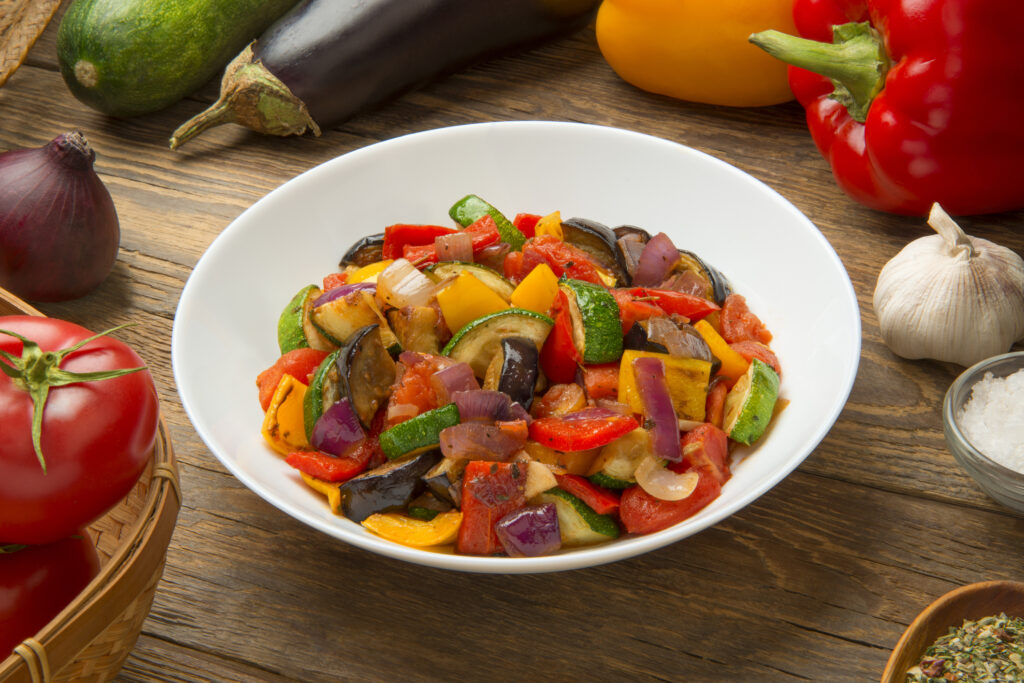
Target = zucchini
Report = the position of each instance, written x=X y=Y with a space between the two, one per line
x=578 y=524
x=490 y=277
x=596 y=329
x=131 y=57
x=615 y=466
x=295 y=330
x=328 y=59
x=471 y=208
x=477 y=342
x=322 y=393
x=420 y=433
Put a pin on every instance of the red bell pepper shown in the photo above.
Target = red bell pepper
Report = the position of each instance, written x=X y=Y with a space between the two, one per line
x=929 y=100
x=358 y=458
x=483 y=233
x=601 y=500
x=396 y=237
x=332 y=280
x=559 y=355
x=490 y=490
x=686 y=305
x=526 y=223
x=298 y=363
x=581 y=431
x=642 y=513
x=601 y=381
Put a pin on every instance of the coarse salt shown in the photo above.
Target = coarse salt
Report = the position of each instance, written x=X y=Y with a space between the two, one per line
x=992 y=419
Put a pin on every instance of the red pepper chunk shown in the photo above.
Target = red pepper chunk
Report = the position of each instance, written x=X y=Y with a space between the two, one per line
x=360 y=457
x=298 y=363
x=575 y=432
x=490 y=490
x=680 y=303
x=526 y=223
x=482 y=233
x=601 y=500
x=396 y=237
x=559 y=355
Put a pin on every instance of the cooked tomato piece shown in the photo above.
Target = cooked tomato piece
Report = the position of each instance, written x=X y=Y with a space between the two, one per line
x=739 y=324
x=642 y=513
x=706 y=449
x=754 y=349
x=413 y=386
x=490 y=490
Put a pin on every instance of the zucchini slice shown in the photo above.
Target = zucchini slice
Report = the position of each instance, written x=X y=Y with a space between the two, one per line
x=490 y=277
x=295 y=329
x=596 y=329
x=472 y=208
x=577 y=522
x=420 y=433
x=339 y=319
x=477 y=342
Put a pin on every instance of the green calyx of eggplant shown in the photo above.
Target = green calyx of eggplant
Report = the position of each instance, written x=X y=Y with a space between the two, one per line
x=37 y=371
x=253 y=97
x=855 y=61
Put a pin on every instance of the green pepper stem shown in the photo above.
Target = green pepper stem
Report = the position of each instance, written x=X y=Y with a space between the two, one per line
x=855 y=61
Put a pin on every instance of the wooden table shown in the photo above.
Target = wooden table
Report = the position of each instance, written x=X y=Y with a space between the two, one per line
x=815 y=580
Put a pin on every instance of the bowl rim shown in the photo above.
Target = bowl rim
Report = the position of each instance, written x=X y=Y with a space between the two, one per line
x=971 y=376
x=578 y=557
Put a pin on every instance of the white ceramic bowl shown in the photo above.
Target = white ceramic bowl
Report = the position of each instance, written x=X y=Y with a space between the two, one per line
x=225 y=327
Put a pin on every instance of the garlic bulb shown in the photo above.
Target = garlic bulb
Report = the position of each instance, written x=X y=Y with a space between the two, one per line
x=950 y=296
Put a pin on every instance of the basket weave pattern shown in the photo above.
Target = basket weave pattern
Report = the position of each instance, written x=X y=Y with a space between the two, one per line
x=89 y=641
x=21 y=23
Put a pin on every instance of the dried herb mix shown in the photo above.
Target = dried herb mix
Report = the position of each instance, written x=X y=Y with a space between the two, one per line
x=987 y=650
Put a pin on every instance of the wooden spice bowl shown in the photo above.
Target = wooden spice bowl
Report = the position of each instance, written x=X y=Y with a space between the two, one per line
x=90 y=639
x=972 y=602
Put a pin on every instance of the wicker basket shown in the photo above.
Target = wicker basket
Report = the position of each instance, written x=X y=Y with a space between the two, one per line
x=21 y=23
x=91 y=638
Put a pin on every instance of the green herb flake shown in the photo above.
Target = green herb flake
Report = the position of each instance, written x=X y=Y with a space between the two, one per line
x=989 y=650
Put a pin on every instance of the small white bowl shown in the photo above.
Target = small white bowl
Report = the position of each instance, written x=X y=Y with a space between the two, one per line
x=224 y=330
x=999 y=481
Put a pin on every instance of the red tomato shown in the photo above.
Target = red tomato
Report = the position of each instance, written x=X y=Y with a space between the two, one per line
x=739 y=324
x=96 y=436
x=563 y=258
x=333 y=280
x=38 y=582
x=413 y=386
x=642 y=513
x=705 y=447
x=753 y=349
x=299 y=363
x=490 y=490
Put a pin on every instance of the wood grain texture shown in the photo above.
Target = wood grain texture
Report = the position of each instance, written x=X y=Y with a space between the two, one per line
x=814 y=581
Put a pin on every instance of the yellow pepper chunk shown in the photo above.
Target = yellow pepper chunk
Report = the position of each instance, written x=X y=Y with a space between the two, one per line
x=733 y=364
x=466 y=299
x=369 y=273
x=687 y=383
x=550 y=225
x=283 y=425
x=330 y=490
x=420 y=533
x=537 y=291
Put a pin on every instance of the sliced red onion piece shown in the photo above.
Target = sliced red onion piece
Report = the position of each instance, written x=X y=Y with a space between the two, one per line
x=631 y=246
x=656 y=260
x=661 y=482
x=401 y=284
x=613 y=406
x=455 y=378
x=337 y=429
x=658 y=409
x=457 y=246
x=531 y=531
x=482 y=405
x=479 y=441
x=493 y=256
x=516 y=411
x=342 y=290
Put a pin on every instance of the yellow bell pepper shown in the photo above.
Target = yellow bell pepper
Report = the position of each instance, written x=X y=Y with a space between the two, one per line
x=369 y=273
x=442 y=529
x=283 y=425
x=550 y=225
x=537 y=291
x=332 y=491
x=466 y=299
x=687 y=383
x=734 y=365
x=696 y=50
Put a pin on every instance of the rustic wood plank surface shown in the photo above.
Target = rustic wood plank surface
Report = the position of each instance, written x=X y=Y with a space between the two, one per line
x=814 y=581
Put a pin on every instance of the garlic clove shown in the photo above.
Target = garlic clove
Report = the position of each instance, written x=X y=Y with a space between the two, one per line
x=950 y=296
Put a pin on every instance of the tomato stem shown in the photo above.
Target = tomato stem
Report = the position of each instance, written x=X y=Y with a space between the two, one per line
x=37 y=371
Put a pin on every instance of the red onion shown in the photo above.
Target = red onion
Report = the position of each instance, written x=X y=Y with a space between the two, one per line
x=657 y=401
x=631 y=246
x=337 y=429
x=458 y=377
x=656 y=260
x=59 y=232
x=342 y=290
x=487 y=405
x=531 y=531
x=493 y=256
x=661 y=482
x=457 y=246
x=478 y=441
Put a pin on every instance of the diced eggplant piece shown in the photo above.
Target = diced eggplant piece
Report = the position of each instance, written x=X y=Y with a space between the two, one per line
x=599 y=242
x=636 y=339
x=366 y=372
x=445 y=480
x=364 y=252
x=388 y=487
x=629 y=244
x=681 y=340
x=417 y=328
x=694 y=276
x=519 y=369
x=624 y=230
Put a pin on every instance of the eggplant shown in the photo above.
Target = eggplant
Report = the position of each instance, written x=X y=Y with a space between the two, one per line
x=326 y=60
x=388 y=487
x=365 y=373
x=367 y=250
x=716 y=286
x=519 y=369
x=624 y=230
x=599 y=242
x=445 y=480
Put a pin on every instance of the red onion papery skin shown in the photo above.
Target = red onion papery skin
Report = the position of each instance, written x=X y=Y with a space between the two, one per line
x=656 y=260
x=59 y=232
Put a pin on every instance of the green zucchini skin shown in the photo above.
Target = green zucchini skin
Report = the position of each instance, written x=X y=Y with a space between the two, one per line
x=131 y=57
